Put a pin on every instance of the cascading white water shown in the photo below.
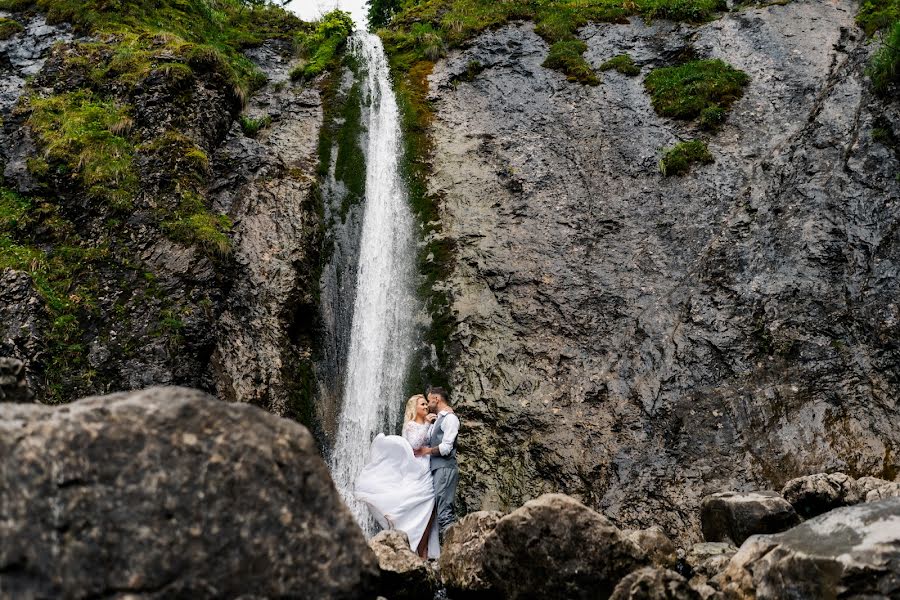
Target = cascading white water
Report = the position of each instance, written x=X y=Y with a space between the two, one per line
x=381 y=335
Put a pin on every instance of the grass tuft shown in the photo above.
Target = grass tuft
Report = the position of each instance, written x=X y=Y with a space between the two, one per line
x=251 y=126
x=882 y=17
x=699 y=88
x=9 y=28
x=622 y=63
x=82 y=134
x=566 y=57
x=193 y=223
x=678 y=159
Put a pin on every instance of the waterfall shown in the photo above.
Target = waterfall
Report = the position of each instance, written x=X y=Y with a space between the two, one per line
x=381 y=335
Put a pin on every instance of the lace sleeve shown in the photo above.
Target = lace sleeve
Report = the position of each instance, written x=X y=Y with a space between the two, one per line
x=414 y=434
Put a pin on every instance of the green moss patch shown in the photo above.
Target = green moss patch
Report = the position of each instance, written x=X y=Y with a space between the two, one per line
x=566 y=57
x=251 y=126
x=193 y=224
x=878 y=15
x=679 y=159
x=623 y=63
x=703 y=89
x=9 y=28
x=87 y=136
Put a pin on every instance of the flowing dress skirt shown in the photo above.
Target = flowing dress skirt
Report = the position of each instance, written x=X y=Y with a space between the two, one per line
x=398 y=489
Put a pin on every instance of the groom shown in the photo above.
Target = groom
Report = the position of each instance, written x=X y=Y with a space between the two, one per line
x=442 y=449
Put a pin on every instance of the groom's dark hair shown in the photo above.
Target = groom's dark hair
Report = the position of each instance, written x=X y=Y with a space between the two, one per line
x=440 y=392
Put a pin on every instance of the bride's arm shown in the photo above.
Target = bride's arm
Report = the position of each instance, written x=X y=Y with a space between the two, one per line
x=409 y=434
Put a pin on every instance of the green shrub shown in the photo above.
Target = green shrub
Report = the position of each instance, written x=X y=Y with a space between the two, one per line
x=878 y=15
x=882 y=17
x=87 y=135
x=678 y=159
x=622 y=63
x=320 y=46
x=699 y=88
x=566 y=56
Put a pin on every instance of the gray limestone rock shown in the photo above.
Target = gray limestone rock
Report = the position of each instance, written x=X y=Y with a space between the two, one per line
x=554 y=547
x=735 y=516
x=461 y=565
x=642 y=341
x=404 y=576
x=708 y=559
x=654 y=583
x=813 y=495
x=167 y=493
x=850 y=552
x=888 y=490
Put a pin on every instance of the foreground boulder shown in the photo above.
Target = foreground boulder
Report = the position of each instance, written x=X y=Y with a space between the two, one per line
x=168 y=492
x=707 y=560
x=735 y=516
x=813 y=495
x=888 y=490
x=555 y=547
x=848 y=552
x=654 y=583
x=404 y=576
x=462 y=556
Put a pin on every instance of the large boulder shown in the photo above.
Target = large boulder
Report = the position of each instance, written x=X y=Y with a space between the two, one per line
x=813 y=495
x=888 y=490
x=864 y=485
x=654 y=583
x=850 y=552
x=735 y=516
x=168 y=492
x=404 y=575
x=555 y=547
x=708 y=559
x=461 y=564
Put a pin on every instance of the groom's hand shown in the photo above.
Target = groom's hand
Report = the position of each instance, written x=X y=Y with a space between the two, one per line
x=431 y=417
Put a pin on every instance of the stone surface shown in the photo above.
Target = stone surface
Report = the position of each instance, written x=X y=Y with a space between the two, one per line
x=850 y=552
x=654 y=583
x=656 y=545
x=554 y=547
x=864 y=485
x=640 y=342
x=404 y=576
x=889 y=490
x=264 y=334
x=13 y=387
x=168 y=492
x=461 y=564
x=813 y=495
x=735 y=516
x=708 y=559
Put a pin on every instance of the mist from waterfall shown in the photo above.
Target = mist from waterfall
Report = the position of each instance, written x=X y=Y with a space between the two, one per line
x=384 y=308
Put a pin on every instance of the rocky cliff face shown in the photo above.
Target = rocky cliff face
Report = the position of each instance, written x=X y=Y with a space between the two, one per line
x=639 y=341
x=146 y=237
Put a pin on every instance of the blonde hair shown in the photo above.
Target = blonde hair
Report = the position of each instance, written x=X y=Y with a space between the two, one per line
x=410 y=414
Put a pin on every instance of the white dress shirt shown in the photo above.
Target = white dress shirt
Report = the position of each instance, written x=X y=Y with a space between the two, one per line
x=451 y=430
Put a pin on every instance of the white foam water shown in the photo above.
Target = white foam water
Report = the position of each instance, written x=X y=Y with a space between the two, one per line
x=384 y=309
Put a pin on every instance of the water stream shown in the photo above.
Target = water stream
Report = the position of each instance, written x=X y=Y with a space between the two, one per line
x=384 y=307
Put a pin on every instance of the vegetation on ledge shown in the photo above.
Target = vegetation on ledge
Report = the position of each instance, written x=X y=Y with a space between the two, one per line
x=320 y=45
x=566 y=56
x=679 y=159
x=882 y=18
x=9 y=28
x=699 y=88
x=623 y=63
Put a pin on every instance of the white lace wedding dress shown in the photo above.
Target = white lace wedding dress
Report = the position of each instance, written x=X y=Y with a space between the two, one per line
x=397 y=485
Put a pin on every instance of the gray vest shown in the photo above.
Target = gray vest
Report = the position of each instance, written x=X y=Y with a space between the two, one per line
x=437 y=435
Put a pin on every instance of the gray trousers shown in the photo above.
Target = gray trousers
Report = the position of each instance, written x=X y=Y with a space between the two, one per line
x=445 y=480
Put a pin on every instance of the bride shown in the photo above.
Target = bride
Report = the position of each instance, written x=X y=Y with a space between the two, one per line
x=397 y=485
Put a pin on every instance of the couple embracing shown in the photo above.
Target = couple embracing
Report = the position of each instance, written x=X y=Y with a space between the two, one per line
x=410 y=481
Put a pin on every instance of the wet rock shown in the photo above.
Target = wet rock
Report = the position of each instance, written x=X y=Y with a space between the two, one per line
x=22 y=323
x=735 y=516
x=404 y=576
x=13 y=387
x=554 y=547
x=168 y=492
x=654 y=583
x=656 y=545
x=813 y=495
x=461 y=565
x=849 y=552
x=643 y=341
